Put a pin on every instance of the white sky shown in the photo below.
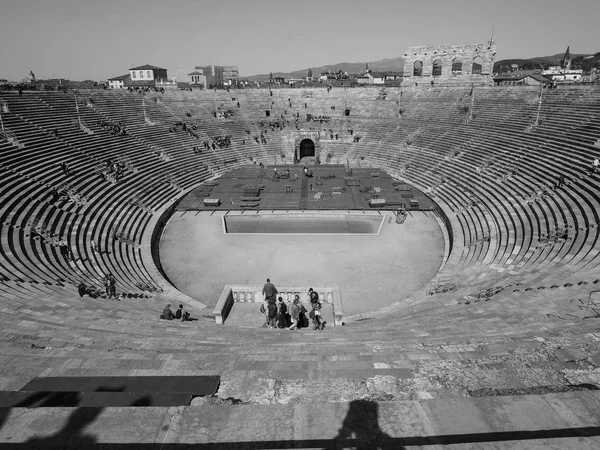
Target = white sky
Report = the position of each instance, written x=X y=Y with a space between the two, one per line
x=82 y=39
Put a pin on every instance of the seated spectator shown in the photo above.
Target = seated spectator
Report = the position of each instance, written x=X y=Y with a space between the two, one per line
x=181 y=314
x=81 y=289
x=54 y=195
x=595 y=165
x=167 y=314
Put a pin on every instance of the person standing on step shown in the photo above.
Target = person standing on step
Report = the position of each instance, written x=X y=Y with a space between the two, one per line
x=94 y=247
x=272 y=314
x=282 y=314
x=113 y=285
x=295 y=313
x=313 y=296
x=316 y=317
x=269 y=291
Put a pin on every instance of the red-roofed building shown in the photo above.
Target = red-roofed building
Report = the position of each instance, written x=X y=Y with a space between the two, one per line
x=141 y=75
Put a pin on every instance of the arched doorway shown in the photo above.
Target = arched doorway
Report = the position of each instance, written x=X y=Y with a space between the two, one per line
x=457 y=66
x=418 y=69
x=307 y=148
x=436 y=70
x=477 y=65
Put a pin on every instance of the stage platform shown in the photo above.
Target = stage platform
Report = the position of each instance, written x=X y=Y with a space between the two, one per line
x=331 y=187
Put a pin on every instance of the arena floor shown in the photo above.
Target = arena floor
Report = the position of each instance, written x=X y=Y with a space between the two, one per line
x=371 y=270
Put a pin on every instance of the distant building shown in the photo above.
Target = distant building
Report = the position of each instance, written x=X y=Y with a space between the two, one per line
x=219 y=75
x=371 y=78
x=521 y=78
x=564 y=73
x=197 y=78
x=118 y=82
x=278 y=80
x=391 y=76
x=147 y=73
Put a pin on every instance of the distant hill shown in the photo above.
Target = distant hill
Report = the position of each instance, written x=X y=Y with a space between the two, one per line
x=579 y=61
x=386 y=64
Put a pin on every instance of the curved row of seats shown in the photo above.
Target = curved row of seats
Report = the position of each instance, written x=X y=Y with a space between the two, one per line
x=497 y=233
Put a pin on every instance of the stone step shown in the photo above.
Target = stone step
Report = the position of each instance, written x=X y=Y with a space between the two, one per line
x=562 y=420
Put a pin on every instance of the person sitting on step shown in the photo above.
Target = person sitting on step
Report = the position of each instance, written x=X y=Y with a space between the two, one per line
x=181 y=314
x=167 y=314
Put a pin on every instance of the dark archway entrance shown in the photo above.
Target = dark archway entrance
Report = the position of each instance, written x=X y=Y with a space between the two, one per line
x=307 y=148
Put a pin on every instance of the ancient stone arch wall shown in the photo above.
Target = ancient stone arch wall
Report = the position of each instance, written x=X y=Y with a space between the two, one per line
x=447 y=54
x=300 y=135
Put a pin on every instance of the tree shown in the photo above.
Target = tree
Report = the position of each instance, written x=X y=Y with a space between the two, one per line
x=309 y=74
x=271 y=76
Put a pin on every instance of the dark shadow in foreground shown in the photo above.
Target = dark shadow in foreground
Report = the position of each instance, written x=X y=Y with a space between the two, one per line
x=361 y=421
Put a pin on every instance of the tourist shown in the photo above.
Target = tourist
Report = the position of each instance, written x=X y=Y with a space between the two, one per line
x=94 y=247
x=282 y=319
x=269 y=291
x=182 y=314
x=54 y=195
x=295 y=313
x=317 y=317
x=112 y=282
x=264 y=309
x=167 y=314
x=313 y=296
x=65 y=252
x=81 y=289
x=595 y=165
x=272 y=314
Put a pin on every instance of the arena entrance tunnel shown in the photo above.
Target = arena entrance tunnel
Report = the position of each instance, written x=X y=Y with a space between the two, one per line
x=307 y=148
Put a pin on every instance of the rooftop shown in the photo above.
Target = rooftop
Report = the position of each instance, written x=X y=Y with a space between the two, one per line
x=147 y=67
x=120 y=78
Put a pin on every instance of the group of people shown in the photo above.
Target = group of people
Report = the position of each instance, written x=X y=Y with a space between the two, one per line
x=113 y=170
x=279 y=314
x=180 y=314
x=114 y=128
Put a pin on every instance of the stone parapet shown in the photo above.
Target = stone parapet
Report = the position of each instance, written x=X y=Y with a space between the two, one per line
x=236 y=293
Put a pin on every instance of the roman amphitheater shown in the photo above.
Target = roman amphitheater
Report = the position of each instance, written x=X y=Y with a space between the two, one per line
x=470 y=325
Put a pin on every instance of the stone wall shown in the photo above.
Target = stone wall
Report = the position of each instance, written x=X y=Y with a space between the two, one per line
x=446 y=56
